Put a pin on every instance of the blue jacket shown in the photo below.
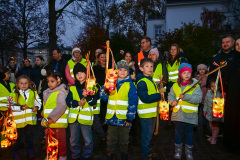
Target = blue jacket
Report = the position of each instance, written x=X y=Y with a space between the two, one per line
x=142 y=90
x=92 y=100
x=132 y=102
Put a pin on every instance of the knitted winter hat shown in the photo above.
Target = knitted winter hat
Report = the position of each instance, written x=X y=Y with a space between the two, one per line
x=155 y=50
x=123 y=64
x=78 y=68
x=184 y=67
x=75 y=49
x=202 y=66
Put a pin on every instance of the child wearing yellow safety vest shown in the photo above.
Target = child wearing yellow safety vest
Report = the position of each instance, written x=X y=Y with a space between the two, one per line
x=147 y=105
x=121 y=110
x=55 y=111
x=81 y=115
x=27 y=100
x=185 y=111
x=6 y=87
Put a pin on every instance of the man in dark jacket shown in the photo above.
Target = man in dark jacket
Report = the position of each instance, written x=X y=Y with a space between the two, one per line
x=26 y=69
x=59 y=63
x=226 y=54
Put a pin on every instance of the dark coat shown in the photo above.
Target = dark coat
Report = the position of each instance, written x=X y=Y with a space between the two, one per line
x=25 y=71
x=36 y=75
x=61 y=67
x=232 y=108
x=99 y=74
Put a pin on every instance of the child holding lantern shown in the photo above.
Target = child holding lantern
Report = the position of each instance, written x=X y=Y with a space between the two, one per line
x=81 y=114
x=185 y=111
x=121 y=109
x=147 y=104
x=208 y=112
x=28 y=102
x=55 y=111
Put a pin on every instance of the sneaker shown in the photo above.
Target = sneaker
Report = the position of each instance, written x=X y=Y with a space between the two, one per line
x=209 y=139
x=148 y=157
x=213 y=141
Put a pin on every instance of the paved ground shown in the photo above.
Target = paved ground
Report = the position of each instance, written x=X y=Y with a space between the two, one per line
x=162 y=144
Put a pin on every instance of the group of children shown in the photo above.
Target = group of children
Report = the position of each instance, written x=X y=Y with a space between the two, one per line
x=72 y=107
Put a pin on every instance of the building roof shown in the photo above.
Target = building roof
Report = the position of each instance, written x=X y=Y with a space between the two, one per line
x=175 y=2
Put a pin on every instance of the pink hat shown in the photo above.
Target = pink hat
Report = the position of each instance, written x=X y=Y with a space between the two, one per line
x=155 y=50
x=202 y=66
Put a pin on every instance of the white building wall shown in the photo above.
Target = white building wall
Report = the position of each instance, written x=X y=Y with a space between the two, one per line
x=151 y=24
x=178 y=14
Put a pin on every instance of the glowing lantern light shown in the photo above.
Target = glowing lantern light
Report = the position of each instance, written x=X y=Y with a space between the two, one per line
x=52 y=148
x=90 y=81
x=111 y=74
x=164 y=110
x=111 y=80
x=4 y=142
x=218 y=107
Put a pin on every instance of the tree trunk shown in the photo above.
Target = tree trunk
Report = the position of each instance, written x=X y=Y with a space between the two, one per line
x=24 y=31
x=52 y=27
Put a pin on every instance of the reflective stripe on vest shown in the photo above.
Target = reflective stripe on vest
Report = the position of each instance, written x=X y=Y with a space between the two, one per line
x=148 y=110
x=186 y=106
x=173 y=71
x=84 y=114
x=71 y=65
x=97 y=108
x=118 y=102
x=49 y=106
x=140 y=57
x=4 y=93
x=25 y=117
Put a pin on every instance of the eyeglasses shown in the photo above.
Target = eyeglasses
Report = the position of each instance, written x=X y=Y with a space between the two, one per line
x=144 y=42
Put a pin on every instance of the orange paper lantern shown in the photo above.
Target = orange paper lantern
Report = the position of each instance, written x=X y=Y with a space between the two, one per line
x=52 y=148
x=218 y=107
x=111 y=80
x=164 y=110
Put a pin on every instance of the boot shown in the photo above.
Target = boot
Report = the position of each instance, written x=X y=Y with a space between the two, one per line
x=124 y=156
x=109 y=156
x=178 y=151
x=188 y=152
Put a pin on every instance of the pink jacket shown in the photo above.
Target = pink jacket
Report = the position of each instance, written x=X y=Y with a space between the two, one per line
x=202 y=86
x=69 y=78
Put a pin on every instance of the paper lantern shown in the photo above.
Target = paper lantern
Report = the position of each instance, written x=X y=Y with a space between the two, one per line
x=11 y=128
x=218 y=107
x=91 y=86
x=164 y=110
x=52 y=148
x=111 y=80
x=5 y=141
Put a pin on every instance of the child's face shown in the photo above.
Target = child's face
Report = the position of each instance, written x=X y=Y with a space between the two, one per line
x=122 y=73
x=186 y=75
x=52 y=82
x=7 y=74
x=81 y=77
x=23 y=84
x=213 y=86
x=153 y=56
x=147 y=69
x=202 y=71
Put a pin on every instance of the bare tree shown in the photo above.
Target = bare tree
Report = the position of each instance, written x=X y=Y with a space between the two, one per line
x=30 y=20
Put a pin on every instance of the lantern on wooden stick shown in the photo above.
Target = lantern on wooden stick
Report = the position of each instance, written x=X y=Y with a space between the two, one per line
x=90 y=80
x=111 y=74
x=164 y=110
x=218 y=103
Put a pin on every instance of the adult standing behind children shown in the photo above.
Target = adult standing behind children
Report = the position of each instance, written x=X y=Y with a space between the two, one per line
x=26 y=69
x=128 y=57
x=59 y=63
x=36 y=75
x=76 y=58
x=147 y=105
x=14 y=68
x=121 y=109
x=144 y=53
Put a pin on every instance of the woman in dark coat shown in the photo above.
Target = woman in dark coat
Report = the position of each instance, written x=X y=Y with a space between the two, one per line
x=26 y=69
x=231 y=131
x=36 y=75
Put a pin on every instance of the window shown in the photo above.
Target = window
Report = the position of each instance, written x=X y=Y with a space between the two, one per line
x=158 y=30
